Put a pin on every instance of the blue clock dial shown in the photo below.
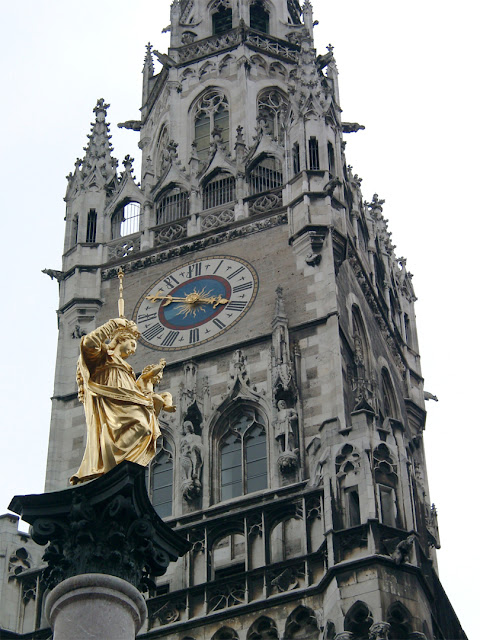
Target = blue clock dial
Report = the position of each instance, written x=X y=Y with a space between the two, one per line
x=196 y=302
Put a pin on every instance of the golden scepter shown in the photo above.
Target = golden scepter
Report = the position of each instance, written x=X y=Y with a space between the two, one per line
x=121 y=301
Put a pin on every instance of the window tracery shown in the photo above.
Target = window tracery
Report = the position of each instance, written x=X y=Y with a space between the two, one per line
x=212 y=113
x=358 y=620
x=388 y=396
x=243 y=454
x=385 y=471
x=399 y=618
x=263 y=629
x=272 y=108
x=302 y=624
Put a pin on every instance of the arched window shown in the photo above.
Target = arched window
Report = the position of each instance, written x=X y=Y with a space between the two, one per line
x=388 y=396
x=161 y=481
x=126 y=220
x=211 y=113
x=313 y=157
x=259 y=17
x=172 y=204
x=331 y=158
x=266 y=175
x=347 y=464
x=75 y=230
x=221 y=17
x=219 y=190
x=386 y=481
x=243 y=454
x=272 y=107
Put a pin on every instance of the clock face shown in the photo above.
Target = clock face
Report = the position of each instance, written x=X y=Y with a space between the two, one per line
x=196 y=302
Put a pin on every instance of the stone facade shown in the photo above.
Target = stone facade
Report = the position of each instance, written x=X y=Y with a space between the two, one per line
x=295 y=463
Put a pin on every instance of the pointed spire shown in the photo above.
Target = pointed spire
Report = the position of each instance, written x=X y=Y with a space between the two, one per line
x=148 y=71
x=98 y=158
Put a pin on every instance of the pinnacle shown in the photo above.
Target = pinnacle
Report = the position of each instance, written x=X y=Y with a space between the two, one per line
x=98 y=150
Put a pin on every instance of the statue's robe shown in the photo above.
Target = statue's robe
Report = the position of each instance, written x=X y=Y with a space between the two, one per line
x=121 y=420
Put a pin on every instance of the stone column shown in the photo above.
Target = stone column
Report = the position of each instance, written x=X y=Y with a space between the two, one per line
x=94 y=606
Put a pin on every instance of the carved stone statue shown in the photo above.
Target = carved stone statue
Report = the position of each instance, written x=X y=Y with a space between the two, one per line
x=120 y=411
x=285 y=434
x=191 y=459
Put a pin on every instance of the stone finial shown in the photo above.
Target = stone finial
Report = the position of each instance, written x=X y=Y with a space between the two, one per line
x=379 y=631
x=128 y=163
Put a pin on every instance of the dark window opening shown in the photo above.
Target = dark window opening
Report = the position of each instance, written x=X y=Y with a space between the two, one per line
x=230 y=571
x=353 y=507
x=331 y=158
x=222 y=21
x=259 y=18
x=408 y=332
x=172 y=205
x=92 y=226
x=296 y=158
x=314 y=161
x=387 y=506
x=220 y=190
x=266 y=176
x=75 y=230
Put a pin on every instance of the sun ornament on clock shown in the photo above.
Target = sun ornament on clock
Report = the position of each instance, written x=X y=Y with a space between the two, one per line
x=195 y=302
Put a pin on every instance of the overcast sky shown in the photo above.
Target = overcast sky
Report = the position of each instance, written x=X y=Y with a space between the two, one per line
x=406 y=73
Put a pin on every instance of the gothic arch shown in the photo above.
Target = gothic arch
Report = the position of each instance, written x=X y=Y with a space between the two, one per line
x=264 y=628
x=358 y=620
x=400 y=621
x=388 y=397
x=265 y=173
x=272 y=108
x=172 y=203
x=301 y=625
x=210 y=110
x=386 y=481
x=225 y=633
x=259 y=61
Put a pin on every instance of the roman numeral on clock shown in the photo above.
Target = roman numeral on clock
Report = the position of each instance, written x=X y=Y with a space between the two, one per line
x=195 y=269
x=145 y=317
x=194 y=335
x=242 y=287
x=235 y=273
x=218 y=323
x=235 y=305
x=170 y=338
x=153 y=332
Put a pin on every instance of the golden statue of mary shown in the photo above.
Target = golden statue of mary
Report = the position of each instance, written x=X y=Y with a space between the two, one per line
x=120 y=410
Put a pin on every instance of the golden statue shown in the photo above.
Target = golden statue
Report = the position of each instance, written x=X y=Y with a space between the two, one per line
x=120 y=410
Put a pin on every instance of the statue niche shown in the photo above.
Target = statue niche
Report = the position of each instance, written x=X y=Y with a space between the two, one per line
x=191 y=460
x=286 y=428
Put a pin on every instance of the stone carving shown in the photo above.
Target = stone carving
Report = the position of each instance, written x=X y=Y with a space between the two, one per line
x=255 y=525
x=266 y=203
x=108 y=526
x=191 y=459
x=379 y=631
x=286 y=579
x=123 y=248
x=197 y=244
x=263 y=629
x=218 y=219
x=207 y=46
x=167 y=613
x=352 y=127
x=401 y=554
x=170 y=232
x=19 y=562
x=226 y=595
x=286 y=426
x=344 y=635
x=264 y=43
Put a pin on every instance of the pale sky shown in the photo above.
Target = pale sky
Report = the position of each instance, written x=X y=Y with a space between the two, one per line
x=406 y=73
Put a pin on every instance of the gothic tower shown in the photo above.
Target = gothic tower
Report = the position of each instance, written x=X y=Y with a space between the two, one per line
x=295 y=462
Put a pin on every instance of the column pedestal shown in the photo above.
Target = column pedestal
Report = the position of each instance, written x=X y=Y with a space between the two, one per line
x=95 y=606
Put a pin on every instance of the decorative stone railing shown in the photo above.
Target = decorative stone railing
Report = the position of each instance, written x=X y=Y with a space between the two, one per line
x=225 y=41
x=265 y=202
x=170 y=232
x=123 y=247
x=217 y=218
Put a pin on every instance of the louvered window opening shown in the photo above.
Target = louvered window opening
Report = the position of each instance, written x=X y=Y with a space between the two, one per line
x=173 y=206
x=266 y=176
x=259 y=18
x=314 y=160
x=222 y=21
x=126 y=221
x=92 y=226
x=220 y=190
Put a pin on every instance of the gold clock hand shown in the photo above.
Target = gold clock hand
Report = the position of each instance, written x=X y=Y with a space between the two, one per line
x=191 y=298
